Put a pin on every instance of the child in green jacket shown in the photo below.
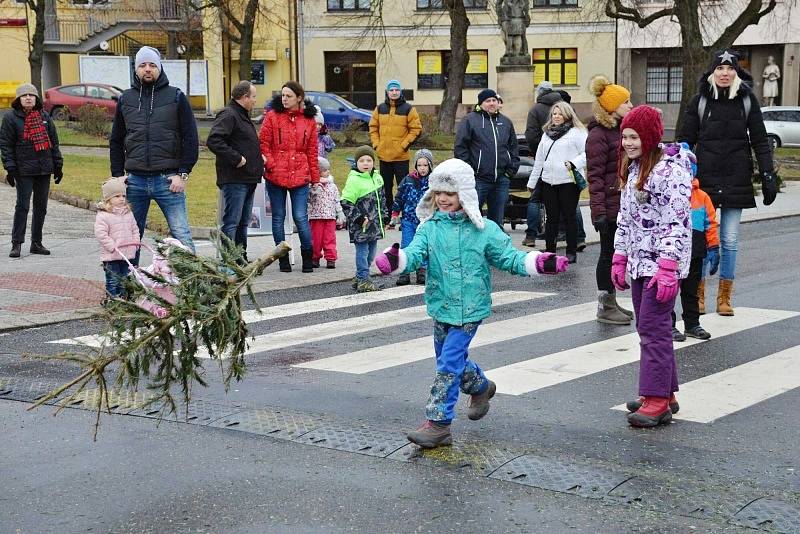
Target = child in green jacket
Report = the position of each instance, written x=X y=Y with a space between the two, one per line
x=364 y=205
x=459 y=245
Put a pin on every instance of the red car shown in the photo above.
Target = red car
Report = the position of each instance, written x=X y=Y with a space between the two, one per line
x=64 y=101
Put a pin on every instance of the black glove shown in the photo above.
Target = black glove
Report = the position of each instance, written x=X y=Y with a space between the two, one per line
x=11 y=178
x=769 y=187
x=58 y=175
x=601 y=224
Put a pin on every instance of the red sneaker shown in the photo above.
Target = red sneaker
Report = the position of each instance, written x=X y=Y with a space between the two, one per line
x=654 y=411
x=634 y=405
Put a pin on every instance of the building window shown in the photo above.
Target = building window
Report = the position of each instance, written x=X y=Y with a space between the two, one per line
x=348 y=5
x=555 y=3
x=664 y=81
x=439 y=4
x=558 y=65
x=432 y=68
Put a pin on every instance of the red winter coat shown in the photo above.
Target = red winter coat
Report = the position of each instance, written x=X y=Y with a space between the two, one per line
x=602 y=155
x=289 y=142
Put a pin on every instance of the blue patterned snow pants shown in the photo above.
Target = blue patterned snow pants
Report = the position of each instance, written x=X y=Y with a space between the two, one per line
x=454 y=370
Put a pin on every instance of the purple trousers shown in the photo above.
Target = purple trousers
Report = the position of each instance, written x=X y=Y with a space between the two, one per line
x=658 y=372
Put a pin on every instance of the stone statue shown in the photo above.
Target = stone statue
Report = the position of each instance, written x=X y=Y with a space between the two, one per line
x=514 y=18
x=771 y=75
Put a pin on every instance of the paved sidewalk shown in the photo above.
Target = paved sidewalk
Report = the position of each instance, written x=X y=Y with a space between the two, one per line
x=40 y=290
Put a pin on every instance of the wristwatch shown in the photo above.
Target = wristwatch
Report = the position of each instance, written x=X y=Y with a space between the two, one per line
x=184 y=176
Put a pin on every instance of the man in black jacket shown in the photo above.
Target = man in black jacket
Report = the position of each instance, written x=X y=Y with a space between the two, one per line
x=240 y=165
x=154 y=139
x=487 y=141
x=30 y=152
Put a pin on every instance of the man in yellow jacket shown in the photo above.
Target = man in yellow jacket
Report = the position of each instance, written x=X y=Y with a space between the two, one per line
x=394 y=126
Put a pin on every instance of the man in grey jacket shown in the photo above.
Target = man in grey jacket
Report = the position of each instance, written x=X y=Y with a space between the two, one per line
x=487 y=141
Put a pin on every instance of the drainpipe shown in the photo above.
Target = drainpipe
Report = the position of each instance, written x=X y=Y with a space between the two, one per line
x=301 y=39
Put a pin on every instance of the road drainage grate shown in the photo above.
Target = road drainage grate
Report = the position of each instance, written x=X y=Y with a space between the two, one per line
x=121 y=402
x=482 y=458
x=200 y=412
x=367 y=441
x=280 y=424
x=770 y=514
x=25 y=390
x=549 y=474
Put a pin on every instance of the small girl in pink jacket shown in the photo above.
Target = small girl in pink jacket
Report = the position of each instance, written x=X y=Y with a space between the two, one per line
x=113 y=227
x=325 y=215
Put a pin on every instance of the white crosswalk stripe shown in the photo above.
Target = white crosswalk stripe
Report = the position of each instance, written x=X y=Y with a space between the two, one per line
x=544 y=371
x=287 y=310
x=707 y=399
x=368 y=360
x=357 y=325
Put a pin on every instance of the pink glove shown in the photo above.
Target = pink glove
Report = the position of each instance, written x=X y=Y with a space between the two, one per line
x=549 y=263
x=388 y=260
x=618 y=264
x=666 y=279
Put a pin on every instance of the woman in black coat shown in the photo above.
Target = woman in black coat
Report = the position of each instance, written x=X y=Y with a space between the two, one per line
x=29 y=146
x=716 y=126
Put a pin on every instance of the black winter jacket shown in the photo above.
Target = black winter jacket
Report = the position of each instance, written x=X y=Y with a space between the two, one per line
x=232 y=136
x=489 y=145
x=18 y=155
x=723 y=146
x=537 y=117
x=154 y=130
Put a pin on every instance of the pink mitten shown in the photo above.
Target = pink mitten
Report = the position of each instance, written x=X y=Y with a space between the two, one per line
x=549 y=263
x=618 y=264
x=666 y=280
x=389 y=259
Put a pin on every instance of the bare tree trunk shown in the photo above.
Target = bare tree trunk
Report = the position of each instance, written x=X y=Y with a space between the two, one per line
x=694 y=56
x=459 y=24
x=37 y=44
x=246 y=33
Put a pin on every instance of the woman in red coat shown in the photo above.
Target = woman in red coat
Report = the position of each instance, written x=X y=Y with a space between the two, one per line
x=289 y=144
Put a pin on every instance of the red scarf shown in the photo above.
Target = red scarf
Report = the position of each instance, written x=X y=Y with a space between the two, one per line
x=35 y=131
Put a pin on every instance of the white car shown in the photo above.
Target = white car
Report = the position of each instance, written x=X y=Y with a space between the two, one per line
x=783 y=125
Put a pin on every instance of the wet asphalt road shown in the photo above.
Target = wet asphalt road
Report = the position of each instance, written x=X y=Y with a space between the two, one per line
x=140 y=477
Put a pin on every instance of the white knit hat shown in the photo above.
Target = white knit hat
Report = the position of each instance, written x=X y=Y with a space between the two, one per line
x=148 y=54
x=453 y=176
x=319 y=118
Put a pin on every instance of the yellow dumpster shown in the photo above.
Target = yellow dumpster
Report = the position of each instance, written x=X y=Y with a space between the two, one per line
x=8 y=92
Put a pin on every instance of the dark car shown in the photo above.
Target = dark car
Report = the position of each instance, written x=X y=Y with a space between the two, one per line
x=64 y=101
x=337 y=111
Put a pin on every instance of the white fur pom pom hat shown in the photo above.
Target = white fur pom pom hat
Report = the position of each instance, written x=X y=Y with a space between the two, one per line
x=452 y=176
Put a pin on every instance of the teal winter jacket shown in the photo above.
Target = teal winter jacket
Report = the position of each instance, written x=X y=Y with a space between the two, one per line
x=459 y=283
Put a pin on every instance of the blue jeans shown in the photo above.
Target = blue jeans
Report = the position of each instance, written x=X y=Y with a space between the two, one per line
x=116 y=271
x=729 y=219
x=454 y=370
x=277 y=199
x=238 y=207
x=534 y=220
x=365 y=255
x=495 y=195
x=143 y=189
x=408 y=231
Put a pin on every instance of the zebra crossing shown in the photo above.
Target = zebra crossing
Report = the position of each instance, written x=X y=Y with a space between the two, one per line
x=739 y=387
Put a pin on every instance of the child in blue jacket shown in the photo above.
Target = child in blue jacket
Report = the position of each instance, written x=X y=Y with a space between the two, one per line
x=408 y=194
x=459 y=246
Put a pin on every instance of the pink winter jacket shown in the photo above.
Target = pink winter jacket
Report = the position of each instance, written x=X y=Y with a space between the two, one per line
x=113 y=228
x=323 y=200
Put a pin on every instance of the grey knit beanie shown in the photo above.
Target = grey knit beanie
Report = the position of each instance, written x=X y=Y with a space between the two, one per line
x=424 y=153
x=27 y=89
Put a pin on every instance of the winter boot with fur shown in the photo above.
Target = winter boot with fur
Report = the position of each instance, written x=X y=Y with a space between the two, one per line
x=607 y=311
x=724 y=294
x=308 y=262
x=701 y=297
x=634 y=405
x=431 y=435
x=479 y=404
x=284 y=264
x=653 y=412
x=421 y=276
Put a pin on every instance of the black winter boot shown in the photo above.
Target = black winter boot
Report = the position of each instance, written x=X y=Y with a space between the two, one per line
x=38 y=248
x=284 y=264
x=308 y=263
x=421 y=276
x=16 y=250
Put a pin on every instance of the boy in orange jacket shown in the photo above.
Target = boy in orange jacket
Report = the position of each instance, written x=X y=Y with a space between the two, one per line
x=705 y=250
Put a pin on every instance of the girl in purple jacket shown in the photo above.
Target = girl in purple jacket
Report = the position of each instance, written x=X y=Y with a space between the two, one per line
x=653 y=244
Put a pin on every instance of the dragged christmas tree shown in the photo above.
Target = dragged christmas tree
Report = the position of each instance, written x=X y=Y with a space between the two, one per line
x=179 y=305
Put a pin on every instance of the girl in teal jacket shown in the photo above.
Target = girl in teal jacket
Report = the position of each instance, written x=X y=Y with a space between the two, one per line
x=459 y=246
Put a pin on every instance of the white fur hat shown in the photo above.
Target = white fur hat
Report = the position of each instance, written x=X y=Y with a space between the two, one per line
x=453 y=176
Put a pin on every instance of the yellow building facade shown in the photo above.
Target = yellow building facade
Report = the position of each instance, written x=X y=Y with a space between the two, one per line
x=349 y=51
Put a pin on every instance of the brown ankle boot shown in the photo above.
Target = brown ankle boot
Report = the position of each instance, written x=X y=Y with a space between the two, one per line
x=701 y=297
x=724 y=294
